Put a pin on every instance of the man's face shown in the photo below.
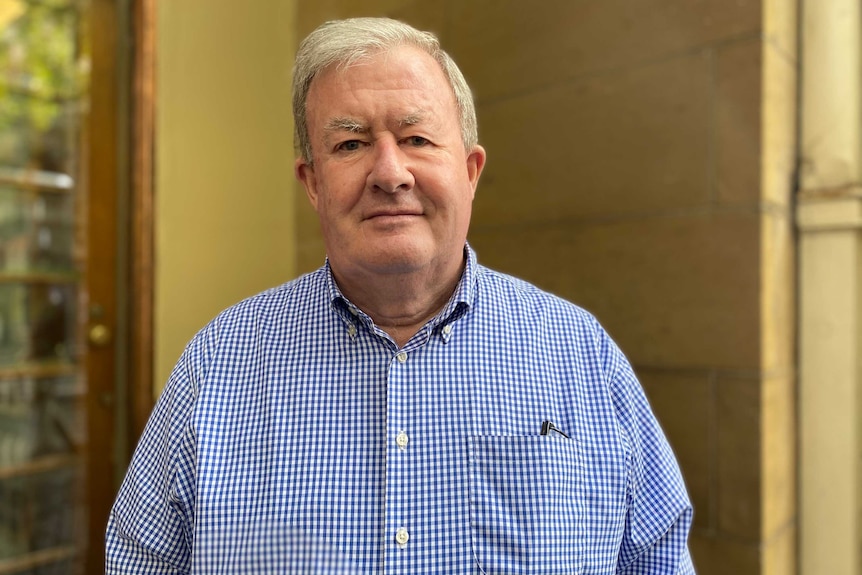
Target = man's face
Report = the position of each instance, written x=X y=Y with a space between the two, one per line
x=391 y=181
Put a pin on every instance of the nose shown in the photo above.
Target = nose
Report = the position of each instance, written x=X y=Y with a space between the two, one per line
x=390 y=172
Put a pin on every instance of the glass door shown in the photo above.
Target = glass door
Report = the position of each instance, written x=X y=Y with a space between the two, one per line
x=45 y=396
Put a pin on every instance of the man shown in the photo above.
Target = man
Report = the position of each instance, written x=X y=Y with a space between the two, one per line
x=402 y=408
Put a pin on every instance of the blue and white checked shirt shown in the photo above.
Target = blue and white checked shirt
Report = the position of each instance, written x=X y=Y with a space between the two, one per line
x=294 y=436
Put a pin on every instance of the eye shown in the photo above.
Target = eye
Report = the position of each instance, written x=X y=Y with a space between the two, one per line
x=417 y=141
x=349 y=145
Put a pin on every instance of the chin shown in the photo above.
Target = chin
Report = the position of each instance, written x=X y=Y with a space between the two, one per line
x=398 y=264
x=398 y=257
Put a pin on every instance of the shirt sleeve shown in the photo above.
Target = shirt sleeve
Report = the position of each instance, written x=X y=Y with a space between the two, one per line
x=655 y=538
x=668 y=555
x=150 y=528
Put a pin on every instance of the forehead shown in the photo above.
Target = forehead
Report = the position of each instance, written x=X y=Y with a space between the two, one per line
x=403 y=80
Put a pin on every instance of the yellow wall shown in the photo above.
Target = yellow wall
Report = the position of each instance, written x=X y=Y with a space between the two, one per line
x=224 y=173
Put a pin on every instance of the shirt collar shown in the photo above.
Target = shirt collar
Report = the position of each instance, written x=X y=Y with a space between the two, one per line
x=465 y=292
x=461 y=300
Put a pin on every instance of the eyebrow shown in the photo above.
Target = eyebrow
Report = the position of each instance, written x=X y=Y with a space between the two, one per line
x=412 y=119
x=345 y=125
x=354 y=126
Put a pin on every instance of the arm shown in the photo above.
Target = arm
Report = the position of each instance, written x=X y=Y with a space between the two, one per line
x=150 y=529
x=659 y=511
x=667 y=555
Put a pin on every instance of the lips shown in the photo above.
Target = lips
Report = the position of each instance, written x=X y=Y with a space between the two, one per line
x=392 y=214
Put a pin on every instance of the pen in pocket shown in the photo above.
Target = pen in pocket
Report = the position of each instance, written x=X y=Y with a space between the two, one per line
x=548 y=427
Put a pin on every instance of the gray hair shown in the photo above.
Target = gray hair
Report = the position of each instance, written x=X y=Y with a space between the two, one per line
x=344 y=42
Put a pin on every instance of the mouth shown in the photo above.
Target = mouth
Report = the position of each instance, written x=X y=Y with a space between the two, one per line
x=392 y=215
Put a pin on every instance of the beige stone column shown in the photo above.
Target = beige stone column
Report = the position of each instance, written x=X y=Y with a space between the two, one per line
x=830 y=281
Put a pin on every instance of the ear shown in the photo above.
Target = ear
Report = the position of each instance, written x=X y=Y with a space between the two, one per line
x=305 y=173
x=475 y=164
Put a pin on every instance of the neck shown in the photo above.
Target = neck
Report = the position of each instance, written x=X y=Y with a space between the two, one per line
x=399 y=304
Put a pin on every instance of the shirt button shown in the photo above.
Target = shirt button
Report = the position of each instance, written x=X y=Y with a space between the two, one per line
x=447 y=329
x=402 y=357
x=401 y=440
x=402 y=537
x=351 y=330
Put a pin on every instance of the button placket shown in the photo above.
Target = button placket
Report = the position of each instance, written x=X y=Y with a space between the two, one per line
x=398 y=466
x=401 y=439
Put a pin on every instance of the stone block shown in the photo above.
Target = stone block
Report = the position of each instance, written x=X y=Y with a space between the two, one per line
x=778 y=412
x=739 y=457
x=778 y=293
x=506 y=49
x=780 y=112
x=714 y=555
x=780 y=25
x=418 y=13
x=779 y=553
x=633 y=141
x=676 y=292
x=738 y=122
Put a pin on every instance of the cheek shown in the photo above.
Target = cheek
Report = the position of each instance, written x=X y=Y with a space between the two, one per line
x=343 y=191
x=327 y=196
x=453 y=215
x=337 y=208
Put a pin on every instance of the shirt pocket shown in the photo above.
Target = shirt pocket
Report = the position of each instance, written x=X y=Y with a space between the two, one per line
x=526 y=512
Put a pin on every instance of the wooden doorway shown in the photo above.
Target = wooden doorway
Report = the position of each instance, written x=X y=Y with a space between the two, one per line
x=75 y=271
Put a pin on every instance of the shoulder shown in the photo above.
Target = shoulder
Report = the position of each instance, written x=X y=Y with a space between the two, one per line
x=524 y=302
x=306 y=291
x=554 y=325
x=279 y=311
x=299 y=297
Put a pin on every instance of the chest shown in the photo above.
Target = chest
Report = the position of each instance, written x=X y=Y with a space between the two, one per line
x=426 y=460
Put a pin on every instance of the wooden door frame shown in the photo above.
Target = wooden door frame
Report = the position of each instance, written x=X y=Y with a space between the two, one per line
x=99 y=309
x=119 y=248
x=142 y=260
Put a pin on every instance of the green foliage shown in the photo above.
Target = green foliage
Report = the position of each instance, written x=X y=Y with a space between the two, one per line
x=41 y=72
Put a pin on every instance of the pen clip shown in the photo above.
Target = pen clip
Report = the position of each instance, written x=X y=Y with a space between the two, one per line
x=548 y=427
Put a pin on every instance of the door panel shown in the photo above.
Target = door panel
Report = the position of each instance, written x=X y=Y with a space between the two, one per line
x=58 y=270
